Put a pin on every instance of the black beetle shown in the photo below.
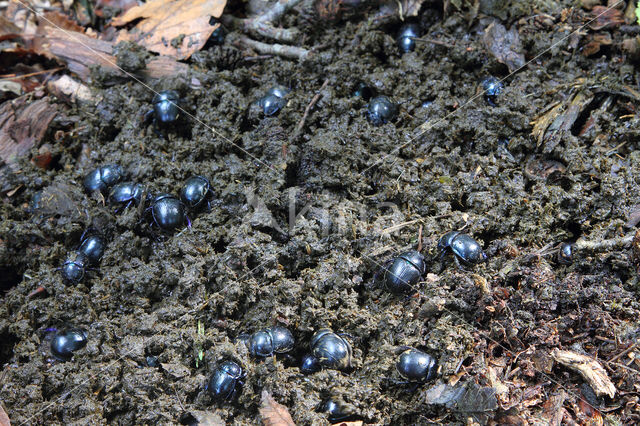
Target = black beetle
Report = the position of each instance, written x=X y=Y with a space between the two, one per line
x=565 y=253
x=492 y=88
x=406 y=37
x=225 y=380
x=165 y=107
x=273 y=101
x=168 y=212
x=276 y=339
x=92 y=248
x=102 y=178
x=66 y=342
x=217 y=37
x=381 y=110
x=416 y=366
x=404 y=272
x=330 y=350
x=334 y=410
x=196 y=189
x=74 y=267
x=363 y=91
x=463 y=246
x=126 y=193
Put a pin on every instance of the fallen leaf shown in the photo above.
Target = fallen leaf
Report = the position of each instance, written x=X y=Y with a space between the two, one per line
x=504 y=45
x=596 y=41
x=176 y=28
x=274 y=414
x=589 y=369
x=23 y=125
x=606 y=18
x=4 y=418
x=77 y=50
x=119 y=5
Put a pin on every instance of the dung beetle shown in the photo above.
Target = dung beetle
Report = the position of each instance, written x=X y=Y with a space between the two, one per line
x=196 y=189
x=276 y=339
x=406 y=37
x=273 y=101
x=492 y=88
x=381 y=110
x=334 y=410
x=226 y=380
x=168 y=212
x=404 y=272
x=74 y=267
x=92 y=248
x=217 y=37
x=329 y=350
x=463 y=246
x=165 y=107
x=565 y=253
x=416 y=366
x=102 y=178
x=126 y=193
x=363 y=91
x=66 y=342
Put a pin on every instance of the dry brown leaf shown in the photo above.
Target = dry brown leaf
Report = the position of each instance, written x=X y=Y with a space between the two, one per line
x=176 y=28
x=606 y=18
x=22 y=125
x=77 y=50
x=4 y=419
x=589 y=369
x=504 y=45
x=595 y=42
x=274 y=414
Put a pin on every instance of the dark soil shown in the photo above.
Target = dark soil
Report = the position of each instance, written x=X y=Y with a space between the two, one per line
x=362 y=193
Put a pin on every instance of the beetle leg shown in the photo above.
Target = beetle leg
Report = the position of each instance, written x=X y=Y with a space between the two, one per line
x=147 y=116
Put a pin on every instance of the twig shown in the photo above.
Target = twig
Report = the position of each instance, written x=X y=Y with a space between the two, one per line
x=315 y=99
x=420 y=242
x=292 y=52
x=623 y=353
x=31 y=74
x=604 y=245
x=261 y=25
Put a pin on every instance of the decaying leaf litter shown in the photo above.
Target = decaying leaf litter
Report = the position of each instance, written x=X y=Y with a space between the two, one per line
x=519 y=339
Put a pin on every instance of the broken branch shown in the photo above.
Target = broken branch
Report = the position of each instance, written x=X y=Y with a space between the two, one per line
x=262 y=25
x=315 y=99
x=292 y=52
x=589 y=369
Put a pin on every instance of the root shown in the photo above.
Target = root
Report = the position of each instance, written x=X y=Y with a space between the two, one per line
x=262 y=26
x=292 y=52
